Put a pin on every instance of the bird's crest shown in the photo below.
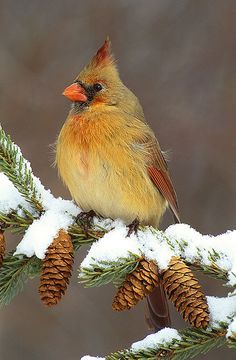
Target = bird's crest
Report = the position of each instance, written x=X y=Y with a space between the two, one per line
x=104 y=55
x=101 y=67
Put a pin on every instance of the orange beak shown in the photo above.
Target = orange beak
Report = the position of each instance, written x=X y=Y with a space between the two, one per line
x=75 y=92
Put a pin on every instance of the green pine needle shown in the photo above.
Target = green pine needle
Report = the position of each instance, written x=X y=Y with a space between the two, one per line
x=193 y=342
x=14 y=273
x=17 y=169
x=15 y=222
x=196 y=341
x=212 y=270
x=104 y=272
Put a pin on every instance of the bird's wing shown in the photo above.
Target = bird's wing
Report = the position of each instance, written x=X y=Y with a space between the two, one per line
x=163 y=183
x=158 y=170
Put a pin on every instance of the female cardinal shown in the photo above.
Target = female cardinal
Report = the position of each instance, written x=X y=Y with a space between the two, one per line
x=106 y=153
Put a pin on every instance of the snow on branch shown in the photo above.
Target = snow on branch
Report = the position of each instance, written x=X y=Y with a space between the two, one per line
x=214 y=255
x=18 y=170
x=10 y=197
x=218 y=251
x=28 y=208
x=21 y=190
x=170 y=344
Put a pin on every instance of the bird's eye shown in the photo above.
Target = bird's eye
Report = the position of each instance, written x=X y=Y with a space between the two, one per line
x=97 y=87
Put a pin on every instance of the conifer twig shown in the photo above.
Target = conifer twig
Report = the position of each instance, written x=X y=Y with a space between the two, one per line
x=106 y=272
x=193 y=342
x=18 y=170
x=14 y=273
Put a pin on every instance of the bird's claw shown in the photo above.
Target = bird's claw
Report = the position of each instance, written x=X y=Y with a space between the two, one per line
x=85 y=219
x=133 y=228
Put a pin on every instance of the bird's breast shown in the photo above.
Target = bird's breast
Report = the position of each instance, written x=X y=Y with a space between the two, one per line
x=105 y=174
x=82 y=154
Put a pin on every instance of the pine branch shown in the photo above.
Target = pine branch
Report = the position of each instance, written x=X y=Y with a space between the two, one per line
x=212 y=270
x=80 y=237
x=14 y=273
x=104 y=272
x=15 y=222
x=18 y=170
x=100 y=274
x=19 y=223
x=193 y=342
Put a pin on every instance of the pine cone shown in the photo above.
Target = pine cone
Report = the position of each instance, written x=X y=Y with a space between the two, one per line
x=2 y=246
x=137 y=285
x=57 y=267
x=184 y=290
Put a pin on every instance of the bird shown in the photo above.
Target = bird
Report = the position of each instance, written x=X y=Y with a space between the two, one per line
x=110 y=159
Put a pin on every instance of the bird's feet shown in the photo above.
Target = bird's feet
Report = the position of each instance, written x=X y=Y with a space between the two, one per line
x=133 y=227
x=85 y=219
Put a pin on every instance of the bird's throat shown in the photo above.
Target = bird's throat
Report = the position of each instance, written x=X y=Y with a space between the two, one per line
x=78 y=106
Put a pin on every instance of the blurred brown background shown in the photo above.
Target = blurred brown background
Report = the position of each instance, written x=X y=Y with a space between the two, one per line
x=179 y=57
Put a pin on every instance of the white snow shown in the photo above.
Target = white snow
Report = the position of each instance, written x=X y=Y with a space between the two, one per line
x=116 y=245
x=154 y=247
x=164 y=336
x=59 y=213
x=193 y=246
x=183 y=240
x=106 y=224
x=113 y=246
x=40 y=234
x=21 y=163
x=10 y=198
x=221 y=309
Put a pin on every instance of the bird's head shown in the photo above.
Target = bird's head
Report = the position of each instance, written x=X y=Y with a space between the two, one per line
x=98 y=83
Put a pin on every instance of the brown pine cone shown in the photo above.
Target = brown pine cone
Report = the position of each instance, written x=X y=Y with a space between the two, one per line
x=56 y=271
x=184 y=290
x=137 y=285
x=2 y=246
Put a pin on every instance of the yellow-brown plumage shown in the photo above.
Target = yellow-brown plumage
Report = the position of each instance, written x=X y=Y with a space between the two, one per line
x=104 y=170
x=109 y=158
x=105 y=148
